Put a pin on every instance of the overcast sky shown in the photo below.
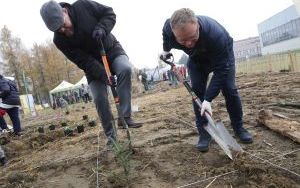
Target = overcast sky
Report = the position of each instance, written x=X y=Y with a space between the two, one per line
x=139 y=22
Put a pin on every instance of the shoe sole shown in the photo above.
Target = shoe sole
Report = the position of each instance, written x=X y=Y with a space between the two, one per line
x=246 y=142
x=203 y=150
x=137 y=125
x=133 y=127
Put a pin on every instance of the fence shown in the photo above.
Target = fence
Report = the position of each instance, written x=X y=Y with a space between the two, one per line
x=275 y=63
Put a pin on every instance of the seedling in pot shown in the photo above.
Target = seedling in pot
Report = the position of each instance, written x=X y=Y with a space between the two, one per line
x=68 y=131
x=85 y=117
x=92 y=123
x=80 y=128
x=64 y=124
x=41 y=130
x=52 y=127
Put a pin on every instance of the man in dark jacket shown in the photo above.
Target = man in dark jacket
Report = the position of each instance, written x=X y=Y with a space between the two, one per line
x=77 y=28
x=10 y=102
x=209 y=47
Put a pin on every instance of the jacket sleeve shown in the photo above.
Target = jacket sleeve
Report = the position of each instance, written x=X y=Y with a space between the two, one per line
x=4 y=89
x=167 y=33
x=104 y=14
x=84 y=61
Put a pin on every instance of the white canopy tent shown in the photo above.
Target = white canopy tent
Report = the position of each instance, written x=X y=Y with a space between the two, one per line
x=63 y=86
x=83 y=80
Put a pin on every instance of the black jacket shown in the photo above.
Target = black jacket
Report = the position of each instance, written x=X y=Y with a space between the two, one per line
x=9 y=92
x=213 y=52
x=81 y=48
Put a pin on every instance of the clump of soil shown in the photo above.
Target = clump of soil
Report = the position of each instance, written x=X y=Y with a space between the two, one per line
x=257 y=172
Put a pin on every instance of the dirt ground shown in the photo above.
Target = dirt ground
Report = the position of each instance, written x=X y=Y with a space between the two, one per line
x=164 y=148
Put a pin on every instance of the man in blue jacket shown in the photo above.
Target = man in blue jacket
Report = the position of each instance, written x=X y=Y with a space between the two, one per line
x=77 y=27
x=209 y=47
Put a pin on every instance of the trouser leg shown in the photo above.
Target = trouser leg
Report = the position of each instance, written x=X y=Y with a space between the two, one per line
x=100 y=96
x=122 y=69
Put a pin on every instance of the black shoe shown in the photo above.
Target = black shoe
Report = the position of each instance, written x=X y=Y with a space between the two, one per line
x=16 y=134
x=3 y=161
x=244 y=135
x=203 y=143
x=130 y=123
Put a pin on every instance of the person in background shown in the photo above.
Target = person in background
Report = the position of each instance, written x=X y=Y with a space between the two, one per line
x=144 y=80
x=10 y=103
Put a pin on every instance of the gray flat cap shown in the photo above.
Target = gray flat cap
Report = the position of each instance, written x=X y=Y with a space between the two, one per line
x=52 y=14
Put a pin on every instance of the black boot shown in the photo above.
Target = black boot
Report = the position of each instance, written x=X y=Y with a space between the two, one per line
x=204 y=140
x=130 y=123
x=244 y=135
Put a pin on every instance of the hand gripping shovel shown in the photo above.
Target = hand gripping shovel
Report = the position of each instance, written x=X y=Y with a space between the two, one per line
x=217 y=130
x=113 y=85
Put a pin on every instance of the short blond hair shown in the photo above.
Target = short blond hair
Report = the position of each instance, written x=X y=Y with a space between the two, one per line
x=181 y=17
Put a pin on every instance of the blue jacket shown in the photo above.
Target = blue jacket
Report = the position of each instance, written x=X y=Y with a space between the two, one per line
x=9 y=92
x=213 y=52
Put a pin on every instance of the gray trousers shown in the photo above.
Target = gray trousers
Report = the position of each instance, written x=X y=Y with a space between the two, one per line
x=122 y=69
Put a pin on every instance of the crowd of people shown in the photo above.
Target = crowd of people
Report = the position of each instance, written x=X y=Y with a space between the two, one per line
x=168 y=75
x=83 y=94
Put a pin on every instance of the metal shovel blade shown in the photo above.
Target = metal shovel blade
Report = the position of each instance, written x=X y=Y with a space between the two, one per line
x=227 y=138
x=214 y=133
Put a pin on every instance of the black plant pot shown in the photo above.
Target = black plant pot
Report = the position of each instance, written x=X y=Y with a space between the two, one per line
x=41 y=130
x=69 y=132
x=85 y=117
x=80 y=128
x=64 y=124
x=52 y=127
x=92 y=123
x=67 y=112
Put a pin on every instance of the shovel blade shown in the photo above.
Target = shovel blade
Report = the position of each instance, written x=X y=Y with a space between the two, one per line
x=211 y=129
x=227 y=138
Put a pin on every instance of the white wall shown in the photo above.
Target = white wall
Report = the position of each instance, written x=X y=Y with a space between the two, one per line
x=282 y=46
x=297 y=3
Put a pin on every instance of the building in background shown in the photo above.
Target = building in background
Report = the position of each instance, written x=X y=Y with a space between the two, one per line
x=297 y=4
x=281 y=32
x=246 y=48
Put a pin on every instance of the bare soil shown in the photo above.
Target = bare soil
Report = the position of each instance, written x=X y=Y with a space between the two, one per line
x=164 y=148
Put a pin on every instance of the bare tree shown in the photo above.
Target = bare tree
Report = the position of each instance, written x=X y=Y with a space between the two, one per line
x=10 y=48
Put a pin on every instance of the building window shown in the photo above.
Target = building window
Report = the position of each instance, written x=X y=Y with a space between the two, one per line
x=284 y=32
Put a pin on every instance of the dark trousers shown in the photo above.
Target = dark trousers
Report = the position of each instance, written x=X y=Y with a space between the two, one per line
x=199 y=77
x=13 y=114
x=122 y=68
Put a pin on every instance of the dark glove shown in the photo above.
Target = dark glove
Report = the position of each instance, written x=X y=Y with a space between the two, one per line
x=96 y=69
x=98 y=34
x=165 y=55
